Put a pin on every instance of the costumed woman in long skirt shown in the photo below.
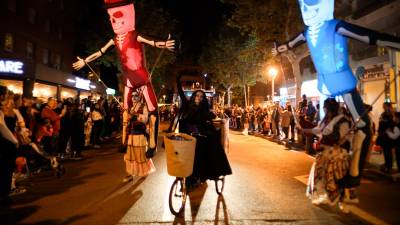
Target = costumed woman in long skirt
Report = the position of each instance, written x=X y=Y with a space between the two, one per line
x=136 y=141
x=195 y=118
x=332 y=162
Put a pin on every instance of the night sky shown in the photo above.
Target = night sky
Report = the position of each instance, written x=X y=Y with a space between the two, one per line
x=197 y=19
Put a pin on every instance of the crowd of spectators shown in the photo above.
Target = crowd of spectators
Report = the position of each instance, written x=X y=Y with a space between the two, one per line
x=60 y=129
x=281 y=122
x=276 y=120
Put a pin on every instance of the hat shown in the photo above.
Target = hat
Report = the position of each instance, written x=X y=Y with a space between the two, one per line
x=116 y=3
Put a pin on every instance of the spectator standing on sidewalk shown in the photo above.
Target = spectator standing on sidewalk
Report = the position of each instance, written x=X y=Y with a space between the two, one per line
x=49 y=112
x=303 y=102
x=386 y=122
x=310 y=117
x=78 y=134
x=394 y=134
x=88 y=128
x=285 y=123
x=275 y=120
x=292 y=123
x=66 y=129
x=8 y=144
x=97 y=119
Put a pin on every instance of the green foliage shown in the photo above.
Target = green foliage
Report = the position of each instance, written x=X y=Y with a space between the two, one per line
x=227 y=58
x=239 y=53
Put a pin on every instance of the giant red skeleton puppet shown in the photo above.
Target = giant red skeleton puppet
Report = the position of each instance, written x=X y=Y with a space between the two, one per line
x=130 y=49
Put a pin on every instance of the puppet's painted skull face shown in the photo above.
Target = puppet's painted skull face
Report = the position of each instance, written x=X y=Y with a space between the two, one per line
x=122 y=18
x=316 y=11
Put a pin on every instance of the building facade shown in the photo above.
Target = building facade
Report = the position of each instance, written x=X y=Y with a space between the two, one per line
x=36 y=51
x=381 y=65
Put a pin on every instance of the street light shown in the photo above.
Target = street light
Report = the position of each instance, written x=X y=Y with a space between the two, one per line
x=205 y=76
x=273 y=72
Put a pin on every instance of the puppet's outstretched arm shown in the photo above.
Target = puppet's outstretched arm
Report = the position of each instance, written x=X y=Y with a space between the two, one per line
x=81 y=62
x=367 y=36
x=293 y=43
x=169 y=44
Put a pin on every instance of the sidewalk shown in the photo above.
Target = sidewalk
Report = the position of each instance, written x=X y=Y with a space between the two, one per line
x=379 y=192
x=374 y=161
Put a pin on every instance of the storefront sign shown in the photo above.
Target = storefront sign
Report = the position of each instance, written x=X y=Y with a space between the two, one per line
x=9 y=66
x=82 y=83
x=110 y=91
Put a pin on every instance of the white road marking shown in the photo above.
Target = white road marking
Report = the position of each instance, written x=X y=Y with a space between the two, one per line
x=303 y=179
x=353 y=209
x=366 y=216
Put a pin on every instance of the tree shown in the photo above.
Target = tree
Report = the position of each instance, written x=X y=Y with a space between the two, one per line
x=270 y=21
x=227 y=57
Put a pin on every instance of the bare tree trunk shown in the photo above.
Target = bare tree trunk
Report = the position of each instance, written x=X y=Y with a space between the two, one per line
x=229 y=95
x=245 y=95
x=248 y=95
x=295 y=61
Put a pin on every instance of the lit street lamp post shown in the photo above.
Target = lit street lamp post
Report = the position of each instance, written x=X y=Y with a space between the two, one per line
x=273 y=72
x=205 y=76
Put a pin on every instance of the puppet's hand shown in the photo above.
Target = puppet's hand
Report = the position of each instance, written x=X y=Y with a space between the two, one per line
x=170 y=45
x=173 y=43
x=78 y=64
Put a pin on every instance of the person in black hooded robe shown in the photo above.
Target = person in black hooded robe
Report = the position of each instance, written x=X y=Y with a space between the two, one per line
x=195 y=118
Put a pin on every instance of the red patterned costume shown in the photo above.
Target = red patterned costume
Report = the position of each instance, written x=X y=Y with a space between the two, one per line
x=135 y=74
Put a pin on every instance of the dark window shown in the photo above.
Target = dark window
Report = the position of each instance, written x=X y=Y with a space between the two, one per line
x=32 y=16
x=60 y=34
x=9 y=42
x=30 y=50
x=45 y=58
x=56 y=61
x=47 y=26
x=61 y=5
x=12 y=5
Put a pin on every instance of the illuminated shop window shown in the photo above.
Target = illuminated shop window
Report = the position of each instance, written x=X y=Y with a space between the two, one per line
x=44 y=91
x=9 y=42
x=12 y=5
x=45 y=57
x=32 y=16
x=30 y=50
x=382 y=51
x=14 y=86
x=68 y=93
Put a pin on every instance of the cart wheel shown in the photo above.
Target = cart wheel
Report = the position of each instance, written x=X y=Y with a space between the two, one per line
x=177 y=196
x=219 y=185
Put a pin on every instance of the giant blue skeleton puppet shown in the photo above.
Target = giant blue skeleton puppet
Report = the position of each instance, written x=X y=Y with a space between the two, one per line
x=327 y=41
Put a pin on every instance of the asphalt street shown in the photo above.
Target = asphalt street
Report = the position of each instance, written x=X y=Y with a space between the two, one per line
x=267 y=187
